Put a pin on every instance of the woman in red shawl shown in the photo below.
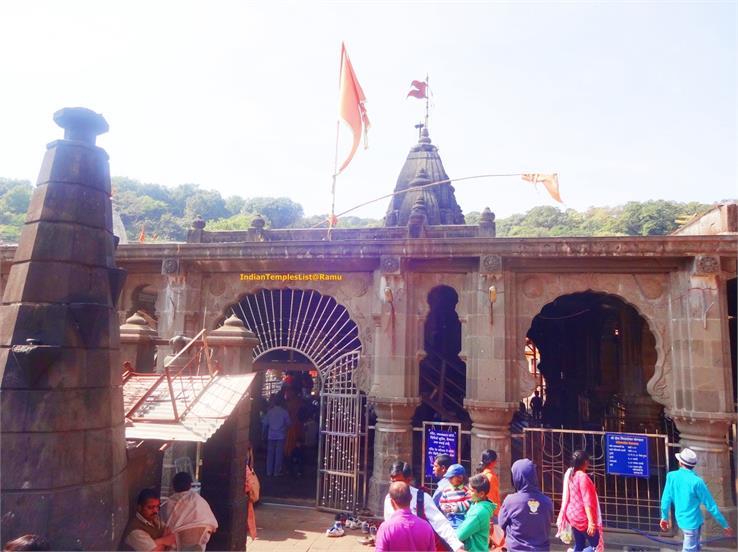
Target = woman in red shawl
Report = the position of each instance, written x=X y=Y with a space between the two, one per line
x=580 y=506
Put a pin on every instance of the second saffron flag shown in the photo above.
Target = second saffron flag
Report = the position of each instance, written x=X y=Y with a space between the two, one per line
x=550 y=181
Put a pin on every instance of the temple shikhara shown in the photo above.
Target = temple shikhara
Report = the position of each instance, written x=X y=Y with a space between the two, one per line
x=123 y=363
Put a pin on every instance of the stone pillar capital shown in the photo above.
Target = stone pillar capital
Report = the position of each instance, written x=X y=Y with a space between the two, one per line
x=136 y=330
x=703 y=429
x=233 y=333
x=490 y=414
x=234 y=346
x=395 y=410
x=491 y=430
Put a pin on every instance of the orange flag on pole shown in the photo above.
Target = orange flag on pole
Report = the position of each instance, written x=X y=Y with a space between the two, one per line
x=550 y=181
x=351 y=107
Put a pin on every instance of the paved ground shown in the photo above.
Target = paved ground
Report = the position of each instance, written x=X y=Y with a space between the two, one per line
x=284 y=528
x=299 y=529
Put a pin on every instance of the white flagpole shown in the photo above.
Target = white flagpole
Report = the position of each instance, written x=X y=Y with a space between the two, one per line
x=332 y=215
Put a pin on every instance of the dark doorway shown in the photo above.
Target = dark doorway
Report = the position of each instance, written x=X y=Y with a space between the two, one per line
x=291 y=376
x=303 y=336
x=596 y=355
x=442 y=382
x=732 y=330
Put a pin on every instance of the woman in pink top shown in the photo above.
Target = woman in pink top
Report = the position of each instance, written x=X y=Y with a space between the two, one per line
x=579 y=504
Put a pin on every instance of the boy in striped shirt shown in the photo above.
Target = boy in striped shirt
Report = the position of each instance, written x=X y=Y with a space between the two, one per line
x=455 y=498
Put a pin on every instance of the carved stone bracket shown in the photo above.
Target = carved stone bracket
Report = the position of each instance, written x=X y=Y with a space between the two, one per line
x=170 y=266
x=389 y=264
x=706 y=265
x=490 y=264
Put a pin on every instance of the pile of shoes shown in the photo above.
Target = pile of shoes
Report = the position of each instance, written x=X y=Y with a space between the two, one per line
x=348 y=521
x=337 y=530
x=370 y=533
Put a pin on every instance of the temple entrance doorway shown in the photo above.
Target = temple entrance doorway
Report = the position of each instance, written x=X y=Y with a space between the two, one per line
x=595 y=355
x=308 y=350
x=591 y=355
x=442 y=376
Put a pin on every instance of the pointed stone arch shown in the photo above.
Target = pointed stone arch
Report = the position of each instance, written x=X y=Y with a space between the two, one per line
x=645 y=293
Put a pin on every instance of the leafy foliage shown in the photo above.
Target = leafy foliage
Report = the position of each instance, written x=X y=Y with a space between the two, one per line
x=15 y=196
x=167 y=213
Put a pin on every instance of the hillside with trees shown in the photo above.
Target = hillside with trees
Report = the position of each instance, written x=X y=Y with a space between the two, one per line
x=165 y=214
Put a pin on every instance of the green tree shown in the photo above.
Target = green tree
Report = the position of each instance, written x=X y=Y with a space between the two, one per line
x=473 y=217
x=16 y=199
x=205 y=203
x=234 y=205
x=281 y=211
x=650 y=218
x=239 y=221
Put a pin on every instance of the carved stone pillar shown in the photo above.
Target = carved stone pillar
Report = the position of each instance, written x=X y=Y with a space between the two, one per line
x=138 y=344
x=706 y=434
x=393 y=440
x=62 y=439
x=491 y=430
x=233 y=347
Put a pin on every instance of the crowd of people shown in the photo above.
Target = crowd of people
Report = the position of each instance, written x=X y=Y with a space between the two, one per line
x=466 y=514
x=462 y=514
x=289 y=427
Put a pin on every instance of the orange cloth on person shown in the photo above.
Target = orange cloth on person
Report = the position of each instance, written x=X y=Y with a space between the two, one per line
x=494 y=488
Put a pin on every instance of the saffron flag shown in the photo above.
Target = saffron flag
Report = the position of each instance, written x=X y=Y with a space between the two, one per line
x=351 y=107
x=550 y=181
x=419 y=90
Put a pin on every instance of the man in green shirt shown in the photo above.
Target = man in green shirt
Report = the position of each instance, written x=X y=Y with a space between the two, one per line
x=687 y=491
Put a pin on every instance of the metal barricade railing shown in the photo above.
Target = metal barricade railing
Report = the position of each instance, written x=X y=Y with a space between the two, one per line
x=627 y=503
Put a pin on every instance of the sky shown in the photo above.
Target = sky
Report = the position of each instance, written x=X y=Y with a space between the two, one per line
x=626 y=101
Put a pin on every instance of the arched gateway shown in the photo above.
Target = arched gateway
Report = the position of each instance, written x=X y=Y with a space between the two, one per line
x=305 y=332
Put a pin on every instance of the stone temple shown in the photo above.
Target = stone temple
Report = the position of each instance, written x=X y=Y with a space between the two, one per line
x=425 y=320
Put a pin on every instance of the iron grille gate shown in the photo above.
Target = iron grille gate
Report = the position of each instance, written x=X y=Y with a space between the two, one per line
x=626 y=502
x=342 y=450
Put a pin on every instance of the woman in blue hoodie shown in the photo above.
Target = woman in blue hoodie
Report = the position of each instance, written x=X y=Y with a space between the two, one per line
x=526 y=515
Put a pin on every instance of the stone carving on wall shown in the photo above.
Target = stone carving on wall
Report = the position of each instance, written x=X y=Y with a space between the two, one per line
x=389 y=264
x=490 y=264
x=706 y=265
x=170 y=266
x=217 y=286
x=532 y=287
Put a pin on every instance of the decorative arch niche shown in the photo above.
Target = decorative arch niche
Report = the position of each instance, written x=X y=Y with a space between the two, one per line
x=645 y=293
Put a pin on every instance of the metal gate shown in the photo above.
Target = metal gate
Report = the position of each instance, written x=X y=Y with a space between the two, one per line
x=342 y=453
x=626 y=502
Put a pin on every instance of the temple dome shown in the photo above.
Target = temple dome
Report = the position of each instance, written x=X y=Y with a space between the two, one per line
x=423 y=166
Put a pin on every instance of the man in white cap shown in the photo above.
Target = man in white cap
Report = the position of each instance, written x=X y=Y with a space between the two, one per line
x=687 y=491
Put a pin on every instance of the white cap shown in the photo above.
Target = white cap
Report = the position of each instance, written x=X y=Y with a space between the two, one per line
x=687 y=457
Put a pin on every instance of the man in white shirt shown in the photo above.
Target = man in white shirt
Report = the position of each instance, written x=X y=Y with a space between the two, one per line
x=188 y=515
x=401 y=471
x=145 y=531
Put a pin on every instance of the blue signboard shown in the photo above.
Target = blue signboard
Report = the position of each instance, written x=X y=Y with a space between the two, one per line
x=439 y=439
x=627 y=454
